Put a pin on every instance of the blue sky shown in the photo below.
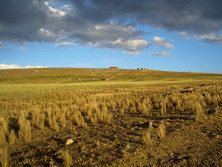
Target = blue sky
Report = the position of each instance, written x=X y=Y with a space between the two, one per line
x=137 y=42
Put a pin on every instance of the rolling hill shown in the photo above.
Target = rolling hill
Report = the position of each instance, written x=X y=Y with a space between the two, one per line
x=72 y=75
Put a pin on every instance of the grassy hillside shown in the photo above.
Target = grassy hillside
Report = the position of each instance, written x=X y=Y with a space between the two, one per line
x=114 y=117
x=70 y=75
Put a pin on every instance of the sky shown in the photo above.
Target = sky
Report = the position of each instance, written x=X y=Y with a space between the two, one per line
x=172 y=35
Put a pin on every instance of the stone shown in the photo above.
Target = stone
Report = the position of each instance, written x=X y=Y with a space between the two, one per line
x=69 y=141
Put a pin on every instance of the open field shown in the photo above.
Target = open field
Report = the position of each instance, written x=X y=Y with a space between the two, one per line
x=110 y=117
x=72 y=75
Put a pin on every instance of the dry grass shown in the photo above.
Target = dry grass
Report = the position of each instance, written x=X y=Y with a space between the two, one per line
x=59 y=108
x=122 y=112
x=52 y=120
x=145 y=106
x=12 y=137
x=38 y=119
x=4 y=157
x=161 y=132
x=3 y=130
x=147 y=137
x=25 y=127
x=163 y=105
x=200 y=115
x=63 y=119
x=67 y=159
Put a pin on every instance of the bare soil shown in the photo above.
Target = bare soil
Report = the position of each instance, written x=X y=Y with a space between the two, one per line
x=187 y=143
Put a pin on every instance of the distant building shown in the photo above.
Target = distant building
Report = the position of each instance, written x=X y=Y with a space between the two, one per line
x=141 y=68
x=113 y=67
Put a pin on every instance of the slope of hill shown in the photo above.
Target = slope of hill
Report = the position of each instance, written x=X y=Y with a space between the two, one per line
x=70 y=75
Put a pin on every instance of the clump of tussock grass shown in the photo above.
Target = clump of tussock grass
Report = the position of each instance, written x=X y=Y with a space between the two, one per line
x=187 y=103
x=145 y=106
x=122 y=112
x=163 y=105
x=209 y=99
x=199 y=111
x=79 y=119
x=175 y=102
x=38 y=119
x=12 y=137
x=104 y=115
x=52 y=120
x=3 y=130
x=147 y=137
x=62 y=119
x=4 y=156
x=72 y=109
x=125 y=103
x=215 y=100
x=156 y=101
x=94 y=120
x=112 y=105
x=161 y=131
x=108 y=118
x=25 y=128
x=132 y=107
x=67 y=159
x=95 y=113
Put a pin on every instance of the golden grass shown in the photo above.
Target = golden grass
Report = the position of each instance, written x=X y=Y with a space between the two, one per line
x=3 y=130
x=147 y=137
x=25 y=127
x=67 y=159
x=161 y=130
x=4 y=156
x=12 y=137
x=200 y=115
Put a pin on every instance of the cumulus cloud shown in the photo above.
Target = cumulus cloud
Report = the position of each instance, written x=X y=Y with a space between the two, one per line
x=100 y=24
x=131 y=45
x=107 y=36
x=161 y=53
x=15 y=66
x=162 y=42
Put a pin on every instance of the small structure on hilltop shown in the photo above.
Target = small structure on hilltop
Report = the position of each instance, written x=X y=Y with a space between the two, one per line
x=113 y=67
x=140 y=68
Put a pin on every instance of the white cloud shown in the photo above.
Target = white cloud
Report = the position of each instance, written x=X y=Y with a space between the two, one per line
x=162 y=42
x=67 y=7
x=15 y=66
x=98 y=27
x=65 y=42
x=46 y=32
x=1 y=45
x=54 y=11
x=210 y=38
x=162 y=53
x=131 y=45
